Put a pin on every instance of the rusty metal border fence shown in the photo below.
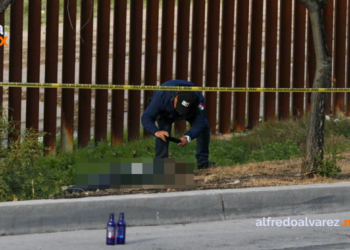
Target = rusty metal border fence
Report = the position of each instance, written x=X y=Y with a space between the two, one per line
x=214 y=43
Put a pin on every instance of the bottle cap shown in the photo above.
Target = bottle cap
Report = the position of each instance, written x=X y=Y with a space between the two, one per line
x=111 y=216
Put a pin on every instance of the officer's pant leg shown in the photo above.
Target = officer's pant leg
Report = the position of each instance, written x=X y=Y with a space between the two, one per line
x=161 y=146
x=202 y=149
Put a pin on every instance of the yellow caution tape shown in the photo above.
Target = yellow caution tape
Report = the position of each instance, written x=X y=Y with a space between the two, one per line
x=169 y=88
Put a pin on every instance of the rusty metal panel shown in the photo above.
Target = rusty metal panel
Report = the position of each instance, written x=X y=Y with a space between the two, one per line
x=348 y=68
x=166 y=63
x=33 y=63
x=212 y=61
x=68 y=75
x=2 y=22
x=197 y=45
x=135 y=64
x=285 y=58
x=271 y=59
x=226 y=65
x=311 y=66
x=151 y=57
x=51 y=63
x=15 y=94
x=119 y=45
x=328 y=26
x=182 y=47
x=85 y=72
x=255 y=62
x=241 y=64
x=340 y=52
x=102 y=61
x=299 y=59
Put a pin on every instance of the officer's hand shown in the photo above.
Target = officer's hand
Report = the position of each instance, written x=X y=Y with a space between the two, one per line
x=162 y=135
x=183 y=142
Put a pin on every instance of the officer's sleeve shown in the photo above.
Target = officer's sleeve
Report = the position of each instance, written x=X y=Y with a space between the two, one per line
x=150 y=114
x=199 y=122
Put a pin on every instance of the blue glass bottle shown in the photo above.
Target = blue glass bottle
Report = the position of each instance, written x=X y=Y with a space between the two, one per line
x=111 y=230
x=121 y=225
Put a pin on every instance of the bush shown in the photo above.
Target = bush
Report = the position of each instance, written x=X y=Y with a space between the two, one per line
x=19 y=174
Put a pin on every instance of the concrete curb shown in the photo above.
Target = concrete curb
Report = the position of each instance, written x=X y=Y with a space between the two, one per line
x=42 y=216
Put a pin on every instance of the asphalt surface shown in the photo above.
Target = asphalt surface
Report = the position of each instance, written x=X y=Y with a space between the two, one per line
x=233 y=234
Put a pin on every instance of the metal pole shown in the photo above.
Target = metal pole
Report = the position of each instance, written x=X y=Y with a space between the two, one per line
x=102 y=61
x=85 y=72
x=119 y=44
x=197 y=46
x=15 y=94
x=255 y=62
x=135 y=65
x=33 y=63
x=68 y=74
x=340 y=51
x=228 y=11
x=51 y=63
x=285 y=58
x=299 y=59
x=241 y=54
x=166 y=63
x=182 y=47
x=151 y=59
x=271 y=58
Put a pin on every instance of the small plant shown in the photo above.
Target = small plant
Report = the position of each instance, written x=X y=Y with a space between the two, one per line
x=328 y=167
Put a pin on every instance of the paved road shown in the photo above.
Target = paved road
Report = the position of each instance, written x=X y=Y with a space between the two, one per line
x=237 y=234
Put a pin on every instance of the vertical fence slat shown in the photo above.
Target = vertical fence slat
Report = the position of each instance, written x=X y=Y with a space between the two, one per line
x=255 y=62
x=339 y=62
x=311 y=66
x=212 y=61
x=102 y=61
x=347 y=64
x=136 y=11
x=182 y=46
x=85 y=72
x=271 y=58
x=328 y=26
x=299 y=59
x=197 y=45
x=241 y=64
x=51 y=63
x=151 y=57
x=2 y=22
x=68 y=75
x=285 y=58
x=226 y=65
x=119 y=43
x=166 y=64
x=33 y=63
x=15 y=94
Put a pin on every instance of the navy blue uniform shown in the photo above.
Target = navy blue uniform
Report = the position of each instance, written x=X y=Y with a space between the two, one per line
x=161 y=109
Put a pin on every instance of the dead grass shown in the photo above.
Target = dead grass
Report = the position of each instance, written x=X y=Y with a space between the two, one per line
x=263 y=174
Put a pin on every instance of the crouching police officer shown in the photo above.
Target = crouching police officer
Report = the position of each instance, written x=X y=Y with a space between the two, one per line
x=167 y=107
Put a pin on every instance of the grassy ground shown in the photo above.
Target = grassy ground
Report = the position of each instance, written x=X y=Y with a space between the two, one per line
x=27 y=174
